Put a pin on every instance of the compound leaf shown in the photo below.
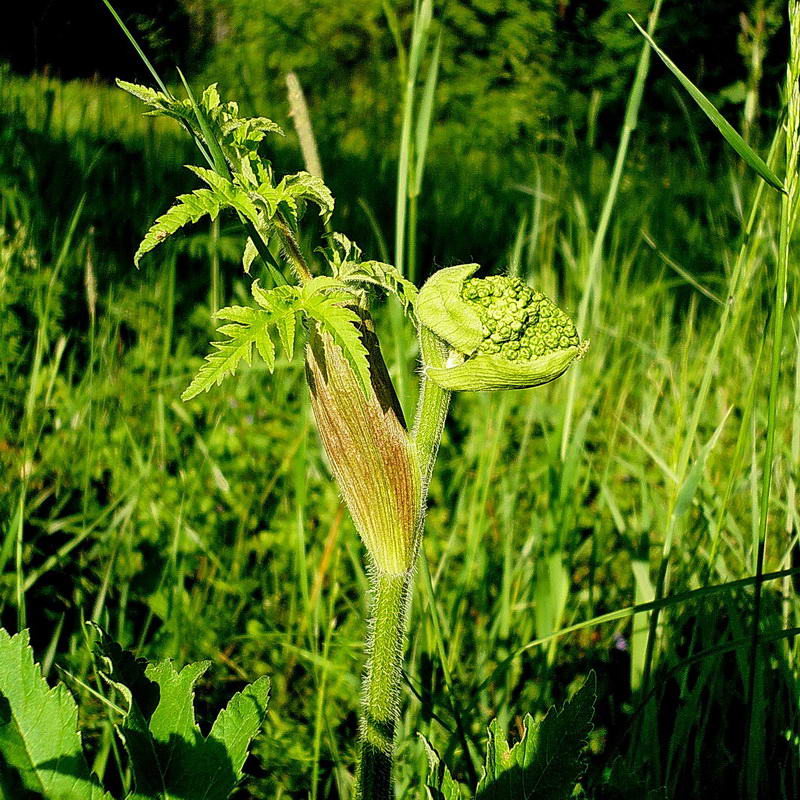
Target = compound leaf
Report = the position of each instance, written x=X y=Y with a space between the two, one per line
x=39 y=736
x=248 y=328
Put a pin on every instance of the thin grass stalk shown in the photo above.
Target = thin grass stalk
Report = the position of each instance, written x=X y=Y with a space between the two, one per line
x=422 y=18
x=752 y=760
x=594 y=278
x=302 y=124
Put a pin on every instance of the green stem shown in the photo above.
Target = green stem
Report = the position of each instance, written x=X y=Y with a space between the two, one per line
x=381 y=694
x=291 y=247
x=390 y=600
x=431 y=408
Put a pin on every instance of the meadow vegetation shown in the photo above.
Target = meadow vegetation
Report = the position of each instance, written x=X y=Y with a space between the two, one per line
x=607 y=522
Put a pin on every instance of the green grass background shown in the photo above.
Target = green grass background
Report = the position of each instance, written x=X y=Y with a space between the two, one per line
x=213 y=529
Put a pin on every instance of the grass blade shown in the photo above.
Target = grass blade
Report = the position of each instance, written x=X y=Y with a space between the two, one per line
x=731 y=136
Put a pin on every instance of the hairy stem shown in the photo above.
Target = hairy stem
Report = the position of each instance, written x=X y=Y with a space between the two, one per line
x=431 y=408
x=292 y=248
x=381 y=694
x=390 y=600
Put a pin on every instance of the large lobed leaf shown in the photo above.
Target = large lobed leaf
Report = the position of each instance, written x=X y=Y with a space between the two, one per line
x=544 y=765
x=548 y=761
x=440 y=785
x=170 y=758
x=39 y=740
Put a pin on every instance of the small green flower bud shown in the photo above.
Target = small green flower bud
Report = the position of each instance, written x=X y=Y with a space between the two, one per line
x=503 y=334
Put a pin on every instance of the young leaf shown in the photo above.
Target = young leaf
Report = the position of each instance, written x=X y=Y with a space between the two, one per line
x=304 y=186
x=723 y=126
x=249 y=255
x=244 y=135
x=547 y=762
x=341 y=250
x=385 y=276
x=189 y=208
x=342 y=324
x=230 y=195
x=39 y=728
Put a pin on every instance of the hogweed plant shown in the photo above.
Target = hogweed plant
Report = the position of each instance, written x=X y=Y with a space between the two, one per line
x=475 y=334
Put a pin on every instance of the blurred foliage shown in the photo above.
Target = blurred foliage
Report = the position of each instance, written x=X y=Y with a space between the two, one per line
x=506 y=65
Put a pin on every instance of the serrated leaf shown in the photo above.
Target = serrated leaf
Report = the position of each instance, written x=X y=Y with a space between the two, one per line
x=224 y=361
x=547 y=762
x=286 y=324
x=304 y=186
x=247 y=133
x=189 y=209
x=342 y=324
x=440 y=784
x=248 y=328
x=39 y=736
x=244 y=315
x=170 y=758
x=325 y=283
x=269 y=198
x=343 y=247
x=265 y=347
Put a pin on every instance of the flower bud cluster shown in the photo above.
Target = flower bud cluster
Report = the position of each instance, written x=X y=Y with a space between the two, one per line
x=519 y=323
